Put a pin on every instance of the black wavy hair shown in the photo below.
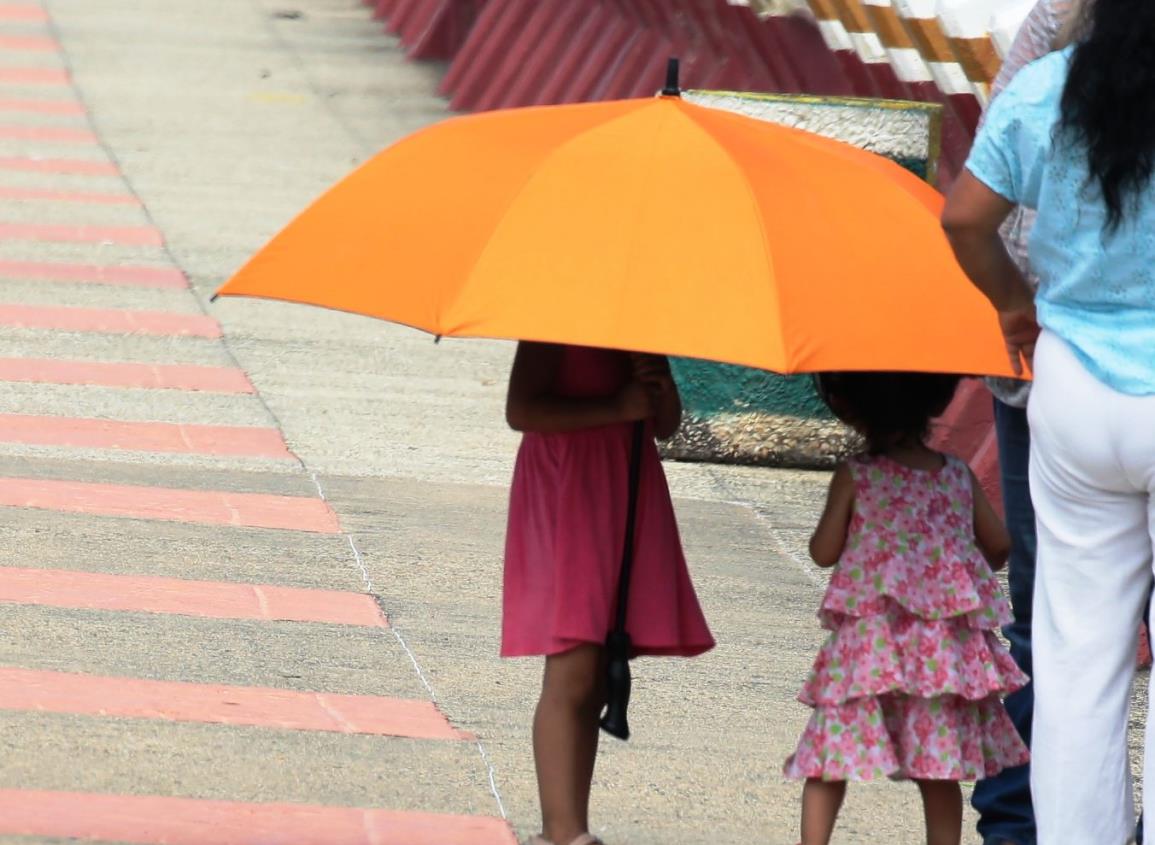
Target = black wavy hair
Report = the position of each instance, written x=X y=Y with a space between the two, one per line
x=887 y=408
x=1108 y=103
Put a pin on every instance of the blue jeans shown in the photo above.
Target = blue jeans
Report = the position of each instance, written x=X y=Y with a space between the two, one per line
x=1004 y=801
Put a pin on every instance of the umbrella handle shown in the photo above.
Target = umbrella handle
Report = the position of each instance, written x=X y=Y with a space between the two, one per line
x=618 y=683
x=618 y=644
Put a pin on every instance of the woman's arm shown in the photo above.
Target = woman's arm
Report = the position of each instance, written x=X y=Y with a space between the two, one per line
x=531 y=404
x=971 y=220
x=990 y=533
x=830 y=536
x=654 y=372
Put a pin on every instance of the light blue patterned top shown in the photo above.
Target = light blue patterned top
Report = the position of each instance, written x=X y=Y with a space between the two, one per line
x=1096 y=289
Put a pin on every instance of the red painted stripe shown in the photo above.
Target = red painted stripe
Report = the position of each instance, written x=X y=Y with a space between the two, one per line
x=148 y=376
x=108 y=321
x=13 y=192
x=59 y=165
x=209 y=599
x=17 y=12
x=128 y=235
x=41 y=76
x=42 y=106
x=59 y=134
x=155 y=820
x=211 y=507
x=150 y=277
x=262 y=707
x=27 y=42
x=81 y=433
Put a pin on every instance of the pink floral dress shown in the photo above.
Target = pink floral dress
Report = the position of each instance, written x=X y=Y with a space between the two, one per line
x=910 y=680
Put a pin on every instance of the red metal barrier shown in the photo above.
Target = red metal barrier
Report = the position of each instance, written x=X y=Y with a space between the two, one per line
x=399 y=11
x=967 y=430
x=438 y=30
x=429 y=29
x=495 y=30
x=818 y=70
x=523 y=58
x=763 y=41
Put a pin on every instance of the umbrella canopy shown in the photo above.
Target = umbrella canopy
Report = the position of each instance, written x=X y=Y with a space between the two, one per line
x=651 y=225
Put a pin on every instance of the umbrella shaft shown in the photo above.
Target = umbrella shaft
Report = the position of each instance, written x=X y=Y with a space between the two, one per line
x=637 y=441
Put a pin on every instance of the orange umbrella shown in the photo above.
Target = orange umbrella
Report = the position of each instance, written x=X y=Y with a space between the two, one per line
x=652 y=225
x=648 y=225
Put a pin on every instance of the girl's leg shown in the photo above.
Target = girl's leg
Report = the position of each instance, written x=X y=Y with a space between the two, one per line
x=942 y=805
x=565 y=738
x=821 y=801
x=588 y=743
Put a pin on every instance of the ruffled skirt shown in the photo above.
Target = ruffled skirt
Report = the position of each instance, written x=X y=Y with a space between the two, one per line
x=899 y=736
x=899 y=696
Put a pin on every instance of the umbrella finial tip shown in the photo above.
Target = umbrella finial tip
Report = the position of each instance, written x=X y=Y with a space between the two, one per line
x=672 y=88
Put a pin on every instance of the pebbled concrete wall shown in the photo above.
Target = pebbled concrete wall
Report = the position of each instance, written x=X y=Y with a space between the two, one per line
x=739 y=415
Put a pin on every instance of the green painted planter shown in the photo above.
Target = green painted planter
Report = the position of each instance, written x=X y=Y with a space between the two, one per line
x=739 y=415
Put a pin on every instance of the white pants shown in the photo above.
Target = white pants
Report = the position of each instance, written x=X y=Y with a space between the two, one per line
x=1092 y=476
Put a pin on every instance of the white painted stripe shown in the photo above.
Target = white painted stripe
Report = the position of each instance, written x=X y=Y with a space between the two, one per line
x=835 y=35
x=950 y=77
x=1005 y=24
x=869 y=47
x=967 y=18
x=916 y=8
x=909 y=65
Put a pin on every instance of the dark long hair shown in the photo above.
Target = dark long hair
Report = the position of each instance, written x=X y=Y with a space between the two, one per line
x=1108 y=103
x=887 y=407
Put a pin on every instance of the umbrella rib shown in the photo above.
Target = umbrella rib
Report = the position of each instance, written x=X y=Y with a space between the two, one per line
x=766 y=253
x=649 y=176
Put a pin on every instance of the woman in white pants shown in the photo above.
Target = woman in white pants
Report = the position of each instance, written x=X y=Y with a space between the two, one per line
x=1073 y=136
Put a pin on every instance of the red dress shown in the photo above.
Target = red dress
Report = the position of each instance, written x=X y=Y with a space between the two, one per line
x=567 y=518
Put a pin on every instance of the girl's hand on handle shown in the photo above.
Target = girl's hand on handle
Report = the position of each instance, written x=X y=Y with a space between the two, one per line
x=635 y=402
x=653 y=372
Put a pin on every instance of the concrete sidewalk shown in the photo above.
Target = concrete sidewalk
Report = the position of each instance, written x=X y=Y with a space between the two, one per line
x=167 y=684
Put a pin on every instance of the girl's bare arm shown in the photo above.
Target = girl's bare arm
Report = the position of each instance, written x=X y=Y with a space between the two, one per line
x=830 y=536
x=531 y=404
x=990 y=533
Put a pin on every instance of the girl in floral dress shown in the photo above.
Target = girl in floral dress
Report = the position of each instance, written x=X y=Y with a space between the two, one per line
x=909 y=683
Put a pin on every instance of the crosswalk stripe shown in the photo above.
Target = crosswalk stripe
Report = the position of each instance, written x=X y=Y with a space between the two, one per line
x=224 y=704
x=126 y=374
x=82 y=433
x=180 y=597
x=211 y=507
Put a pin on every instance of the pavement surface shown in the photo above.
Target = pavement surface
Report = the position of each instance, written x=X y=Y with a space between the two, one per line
x=252 y=551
